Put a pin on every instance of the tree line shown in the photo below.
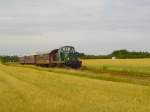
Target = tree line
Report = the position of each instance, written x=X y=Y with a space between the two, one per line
x=9 y=59
x=119 y=54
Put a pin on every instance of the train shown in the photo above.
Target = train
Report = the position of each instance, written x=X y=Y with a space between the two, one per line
x=64 y=56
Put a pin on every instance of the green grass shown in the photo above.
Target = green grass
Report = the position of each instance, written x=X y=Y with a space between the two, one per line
x=35 y=89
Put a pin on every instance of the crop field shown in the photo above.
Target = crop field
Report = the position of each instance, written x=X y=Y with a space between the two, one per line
x=130 y=66
x=100 y=86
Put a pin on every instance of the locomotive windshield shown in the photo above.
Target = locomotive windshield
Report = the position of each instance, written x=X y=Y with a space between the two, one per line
x=66 y=53
x=68 y=49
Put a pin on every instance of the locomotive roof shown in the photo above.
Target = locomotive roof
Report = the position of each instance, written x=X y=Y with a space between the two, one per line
x=43 y=52
x=66 y=46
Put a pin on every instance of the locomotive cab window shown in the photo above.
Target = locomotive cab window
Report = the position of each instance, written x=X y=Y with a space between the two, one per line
x=68 y=49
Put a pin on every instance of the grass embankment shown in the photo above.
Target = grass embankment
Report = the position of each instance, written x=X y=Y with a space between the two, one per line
x=25 y=89
x=127 y=70
x=135 y=71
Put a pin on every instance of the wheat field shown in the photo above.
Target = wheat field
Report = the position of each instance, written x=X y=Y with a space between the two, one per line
x=36 y=89
x=130 y=66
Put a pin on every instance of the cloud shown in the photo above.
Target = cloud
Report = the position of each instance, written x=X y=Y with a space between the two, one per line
x=38 y=16
x=103 y=24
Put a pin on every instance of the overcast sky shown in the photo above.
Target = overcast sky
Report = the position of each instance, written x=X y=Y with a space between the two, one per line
x=92 y=26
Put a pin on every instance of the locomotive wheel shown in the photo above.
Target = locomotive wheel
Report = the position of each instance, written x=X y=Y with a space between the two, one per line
x=60 y=65
x=53 y=65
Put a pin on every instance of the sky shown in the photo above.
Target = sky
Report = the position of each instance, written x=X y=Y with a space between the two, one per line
x=92 y=26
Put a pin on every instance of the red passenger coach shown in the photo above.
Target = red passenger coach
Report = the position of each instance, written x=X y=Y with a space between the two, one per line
x=28 y=60
x=40 y=59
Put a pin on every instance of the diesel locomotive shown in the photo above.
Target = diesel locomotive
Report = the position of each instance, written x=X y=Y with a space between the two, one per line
x=64 y=56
